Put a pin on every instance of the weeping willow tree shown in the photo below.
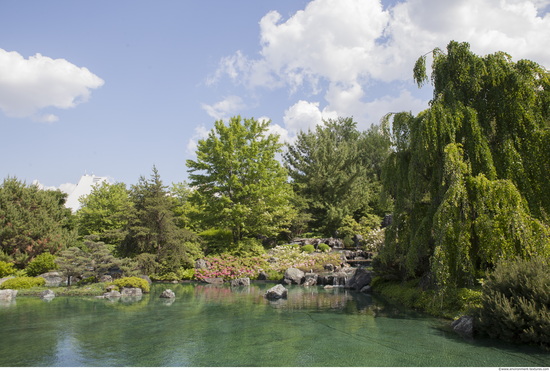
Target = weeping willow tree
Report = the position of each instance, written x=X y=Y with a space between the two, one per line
x=470 y=176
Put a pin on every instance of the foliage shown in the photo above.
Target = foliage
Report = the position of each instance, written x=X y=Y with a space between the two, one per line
x=469 y=176
x=335 y=171
x=87 y=281
x=230 y=267
x=135 y=282
x=19 y=283
x=32 y=221
x=308 y=248
x=281 y=258
x=516 y=302
x=180 y=274
x=104 y=212
x=240 y=186
x=152 y=227
x=323 y=247
x=374 y=240
x=72 y=262
x=7 y=269
x=43 y=263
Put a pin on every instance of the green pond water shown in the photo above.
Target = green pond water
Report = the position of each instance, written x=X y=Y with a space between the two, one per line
x=220 y=326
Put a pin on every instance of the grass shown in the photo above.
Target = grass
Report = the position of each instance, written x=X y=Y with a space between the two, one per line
x=94 y=289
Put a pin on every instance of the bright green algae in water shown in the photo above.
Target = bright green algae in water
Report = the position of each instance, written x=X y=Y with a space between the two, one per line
x=220 y=326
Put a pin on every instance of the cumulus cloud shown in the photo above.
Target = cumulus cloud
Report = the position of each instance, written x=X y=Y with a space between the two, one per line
x=225 y=108
x=304 y=116
x=200 y=133
x=29 y=85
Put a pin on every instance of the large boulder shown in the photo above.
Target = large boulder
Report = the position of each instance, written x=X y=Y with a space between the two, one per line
x=360 y=279
x=213 y=281
x=7 y=295
x=311 y=279
x=168 y=294
x=294 y=276
x=201 y=264
x=240 y=282
x=113 y=294
x=131 y=291
x=47 y=295
x=276 y=292
x=464 y=326
x=105 y=278
x=53 y=279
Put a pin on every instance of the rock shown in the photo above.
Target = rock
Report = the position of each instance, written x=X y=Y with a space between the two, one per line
x=310 y=279
x=262 y=276
x=131 y=291
x=7 y=295
x=387 y=220
x=213 y=281
x=464 y=326
x=113 y=294
x=360 y=279
x=366 y=290
x=47 y=295
x=201 y=264
x=240 y=282
x=294 y=276
x=53 y=279
x=329 y=267
x=357 y=238
x=106 y=278
x=168 y=294
x=111 y=288
x=276 y=292
x=146 y=278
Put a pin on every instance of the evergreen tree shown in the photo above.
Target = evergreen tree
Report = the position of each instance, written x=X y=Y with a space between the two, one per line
x=32 y=221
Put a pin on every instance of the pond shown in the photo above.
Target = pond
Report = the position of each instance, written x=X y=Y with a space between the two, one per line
x=219 y=326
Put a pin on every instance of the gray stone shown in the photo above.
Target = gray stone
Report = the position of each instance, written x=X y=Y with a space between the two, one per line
x=464 y=326
x=106 y=278
x=240 y=282
x=146 y=278
x=111 y=288
x=276 y=292
x=168 y=294
x=53 y=279
x=201 y=264
x=360 y=279
x=47 y=295
x=366 y=290
x=8 y=295
x=294 y=276
x=112 y=295
x=213 y=281
x=310 y=279
x=329 y=267
x=131 y=291
x=262 y=276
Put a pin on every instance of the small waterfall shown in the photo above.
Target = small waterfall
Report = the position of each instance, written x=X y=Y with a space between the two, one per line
x=340 y=280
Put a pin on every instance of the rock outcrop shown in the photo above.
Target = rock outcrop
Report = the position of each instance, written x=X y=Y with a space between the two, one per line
x=131 y=291
x=8 y=295
x=360 y=279
x=47 y=295
x=464 y=326
x=294 y=276
x=168 y=294
x=240 y=282
x=310 y=279
x=277 y=292
x=53 y=279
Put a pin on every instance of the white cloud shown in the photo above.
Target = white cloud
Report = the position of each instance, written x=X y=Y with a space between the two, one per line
x=200 y=133
x=304 y=116
x=29 y=85
x=225 y=108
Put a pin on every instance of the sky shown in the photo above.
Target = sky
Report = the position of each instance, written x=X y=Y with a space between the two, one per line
x=113 y=88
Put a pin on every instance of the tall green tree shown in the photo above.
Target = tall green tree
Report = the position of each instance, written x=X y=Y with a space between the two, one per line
x=32 y=221
x=104 y=212
x=336 y=171
x=469 y=176
x=240 y=185
x=152 y=227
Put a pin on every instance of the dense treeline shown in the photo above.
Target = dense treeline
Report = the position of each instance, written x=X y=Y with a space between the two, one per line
x=466 y=182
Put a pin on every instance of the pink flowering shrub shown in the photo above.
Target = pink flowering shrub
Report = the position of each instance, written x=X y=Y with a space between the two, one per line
x=230 y=267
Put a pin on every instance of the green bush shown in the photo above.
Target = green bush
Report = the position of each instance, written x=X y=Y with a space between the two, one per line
x=273 y=275
x=307 y=248
x=19 y=283
x=6 y=269
x=87 y=281
x=41 y=264
x=186 y=274
x=323 y=247
x=516 y=302
x=132 y=282
x=348 y=242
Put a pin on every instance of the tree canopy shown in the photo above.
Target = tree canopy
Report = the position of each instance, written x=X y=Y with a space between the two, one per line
x=240 y=186
x=469 y=176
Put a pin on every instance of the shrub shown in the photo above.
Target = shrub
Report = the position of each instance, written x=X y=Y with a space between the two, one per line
x=19 y=283
x=132 y=282
x=348 y=242
x=307 y=248
x=6 y=269
x=87 y=281
x=41 y=264
x=515 y=302
x=323 y=247
x=230 y=267
x=186 y=274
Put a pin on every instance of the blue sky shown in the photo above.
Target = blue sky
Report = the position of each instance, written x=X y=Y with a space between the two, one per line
x=115 y=87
